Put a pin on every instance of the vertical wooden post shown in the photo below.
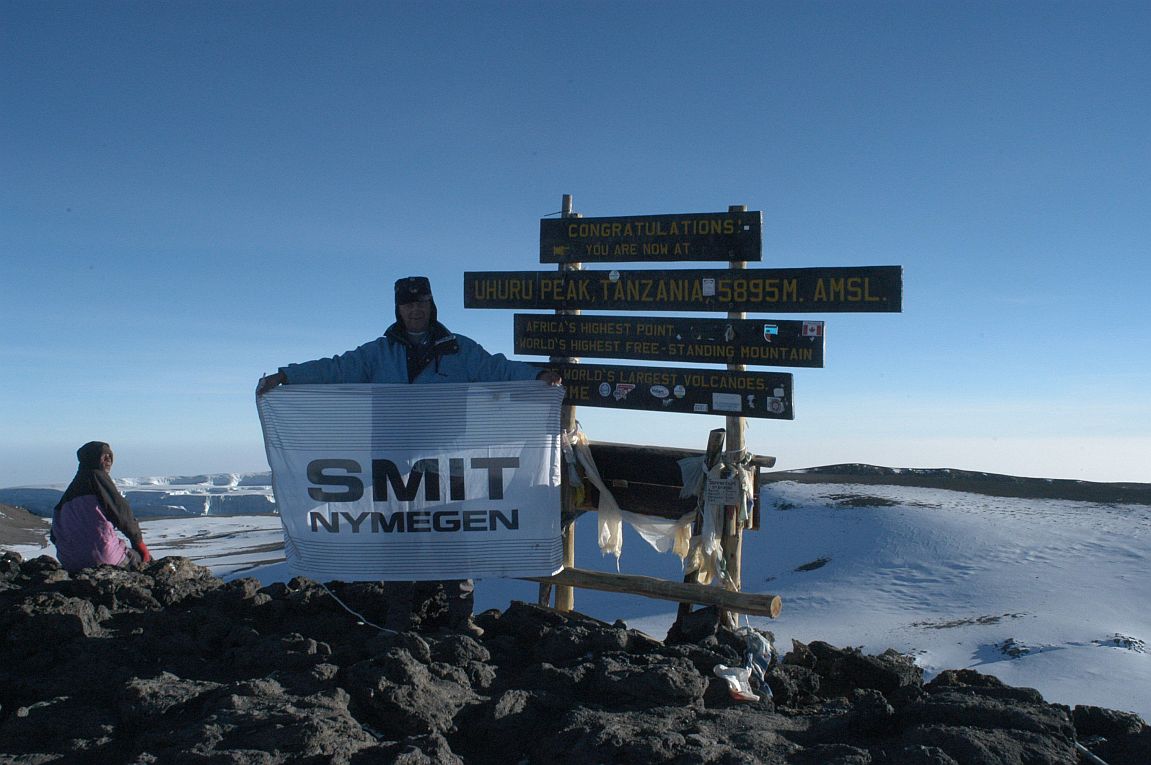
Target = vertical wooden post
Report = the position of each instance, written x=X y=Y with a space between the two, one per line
x=565 y=594
x=710 y=456
x=732 y=529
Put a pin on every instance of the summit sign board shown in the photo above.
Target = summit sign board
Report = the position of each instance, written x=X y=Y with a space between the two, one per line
x=868 y=289
x=762 y=342
x=726 y=236
x=683 y=390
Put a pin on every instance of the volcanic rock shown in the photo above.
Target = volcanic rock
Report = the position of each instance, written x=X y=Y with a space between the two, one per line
x=171 y=665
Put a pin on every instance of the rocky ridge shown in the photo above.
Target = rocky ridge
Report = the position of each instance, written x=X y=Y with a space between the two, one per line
x=173 y=665
x=975 y=482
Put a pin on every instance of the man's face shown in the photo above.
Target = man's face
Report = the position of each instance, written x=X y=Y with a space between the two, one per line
x=416 y=315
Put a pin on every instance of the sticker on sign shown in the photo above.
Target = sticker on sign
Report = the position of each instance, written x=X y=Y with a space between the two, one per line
x=726 y=402
x=723 y=491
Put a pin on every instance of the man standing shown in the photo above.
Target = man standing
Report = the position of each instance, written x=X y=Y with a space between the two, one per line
x=416 y=349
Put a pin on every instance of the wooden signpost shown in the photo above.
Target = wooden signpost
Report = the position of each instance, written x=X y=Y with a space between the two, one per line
x=767 y=342
x=733 y=341
x=732 y=235
x=685 y=390
x=867 y=289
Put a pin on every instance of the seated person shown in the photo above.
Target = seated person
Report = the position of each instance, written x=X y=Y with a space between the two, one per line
x=92 y=510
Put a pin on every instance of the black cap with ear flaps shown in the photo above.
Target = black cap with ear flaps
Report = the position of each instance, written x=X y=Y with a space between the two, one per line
x=412 y=288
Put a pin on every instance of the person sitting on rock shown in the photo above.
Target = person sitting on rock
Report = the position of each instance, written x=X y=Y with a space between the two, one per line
x=92 y=510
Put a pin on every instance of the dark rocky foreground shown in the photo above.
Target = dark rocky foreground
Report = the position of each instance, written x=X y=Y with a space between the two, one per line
x=171 y=665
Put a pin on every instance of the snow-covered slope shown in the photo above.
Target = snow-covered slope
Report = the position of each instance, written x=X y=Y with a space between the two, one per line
x=208 y=494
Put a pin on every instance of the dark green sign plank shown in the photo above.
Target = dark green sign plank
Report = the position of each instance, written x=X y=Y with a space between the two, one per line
x=769 y=342
x=789 y=290
x=690 y=236
x=766 y=395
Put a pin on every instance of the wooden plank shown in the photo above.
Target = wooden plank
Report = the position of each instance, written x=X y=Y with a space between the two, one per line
x=867 y=289
x=766 y=342
x=756 y=604
x=649 y=464
x=684 y=390
x=651 y=238
x=646 y=479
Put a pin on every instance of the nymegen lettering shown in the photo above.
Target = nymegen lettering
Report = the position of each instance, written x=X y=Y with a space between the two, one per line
x=386 y=473
x=414 y=521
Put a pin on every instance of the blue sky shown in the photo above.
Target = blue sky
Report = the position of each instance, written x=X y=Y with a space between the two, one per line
x=194 y=193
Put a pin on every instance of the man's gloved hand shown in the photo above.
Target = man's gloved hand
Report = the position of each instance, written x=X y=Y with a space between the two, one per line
x=267 y=382
x=551 y=377
x=142 y=548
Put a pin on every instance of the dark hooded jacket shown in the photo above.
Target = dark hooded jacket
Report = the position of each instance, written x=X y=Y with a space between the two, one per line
x=92 y=509
x=443 y=357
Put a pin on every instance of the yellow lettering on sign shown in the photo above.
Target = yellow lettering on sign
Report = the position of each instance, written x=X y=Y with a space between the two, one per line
x=775 y=353
x=655 y=330
x=757 y=290
x=850 y=289
x=643 y=376
x=548 y=287
x=703 y=350
x=497 y=289
x=603 y=328
x=640 y=228
x=637 y=347
x=577 y=373
x=736 y=383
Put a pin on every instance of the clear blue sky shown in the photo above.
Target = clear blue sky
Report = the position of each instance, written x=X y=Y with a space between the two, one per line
x=192 y=193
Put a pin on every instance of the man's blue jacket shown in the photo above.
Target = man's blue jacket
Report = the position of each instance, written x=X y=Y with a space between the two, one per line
x=453 y=359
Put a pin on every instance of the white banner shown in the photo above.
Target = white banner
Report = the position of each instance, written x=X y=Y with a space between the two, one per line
x=416 y=482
